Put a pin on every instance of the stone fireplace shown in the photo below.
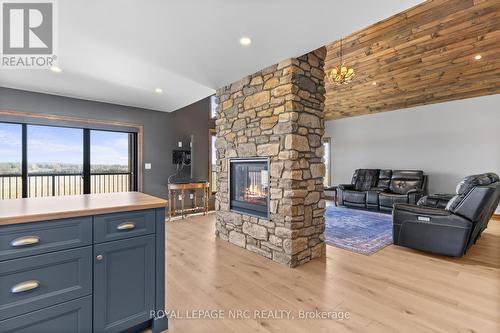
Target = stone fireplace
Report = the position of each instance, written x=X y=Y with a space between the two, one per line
x=249 y=186
x=273 y=118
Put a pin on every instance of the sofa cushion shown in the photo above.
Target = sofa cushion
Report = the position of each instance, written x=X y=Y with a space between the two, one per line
x=389 y=199
x=354 y=196
x=372 y=198
x=364 y=179
x=403 y=181
x=384 y=178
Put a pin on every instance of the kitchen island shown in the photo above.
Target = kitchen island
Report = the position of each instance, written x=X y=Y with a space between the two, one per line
x=86 y=263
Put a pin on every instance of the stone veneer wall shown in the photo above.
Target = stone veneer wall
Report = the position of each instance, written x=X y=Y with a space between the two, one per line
x=277 y=113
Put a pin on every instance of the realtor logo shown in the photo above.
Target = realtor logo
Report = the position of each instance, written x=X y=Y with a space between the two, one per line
x=28 y=32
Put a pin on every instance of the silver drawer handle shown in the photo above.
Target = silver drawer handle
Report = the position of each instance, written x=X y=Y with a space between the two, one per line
x=25 y=286
x=24 y=241
x=126 y=226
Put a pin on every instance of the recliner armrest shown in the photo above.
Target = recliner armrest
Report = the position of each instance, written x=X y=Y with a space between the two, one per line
x=422 y=210
x=345 y=187
x=414 y=195
x=405 y=213
x=379 y=189
x=430 y=229
x=435 y=200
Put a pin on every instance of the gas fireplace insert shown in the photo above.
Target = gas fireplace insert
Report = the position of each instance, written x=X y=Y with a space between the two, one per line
x=249 y=186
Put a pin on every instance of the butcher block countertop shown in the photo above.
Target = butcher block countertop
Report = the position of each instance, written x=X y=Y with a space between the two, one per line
x=16 y=211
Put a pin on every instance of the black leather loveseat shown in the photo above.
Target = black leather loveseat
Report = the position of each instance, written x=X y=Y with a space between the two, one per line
x=381 y=189
x=453 y=230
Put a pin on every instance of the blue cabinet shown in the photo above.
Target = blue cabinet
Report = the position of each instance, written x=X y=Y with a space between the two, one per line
x=35 y=282
x=123 y=225
x=99 y=274
x=21 y=240
x=124 y=275
x=69 y=317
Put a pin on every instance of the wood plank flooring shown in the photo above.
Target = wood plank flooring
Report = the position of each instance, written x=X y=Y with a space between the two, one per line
x=394 y=290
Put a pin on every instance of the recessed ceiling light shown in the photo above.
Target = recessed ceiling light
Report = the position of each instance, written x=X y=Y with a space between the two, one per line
x=158 y=90
x=245 y=41
x=374 y=83
x=478 y=57
x=56 y=69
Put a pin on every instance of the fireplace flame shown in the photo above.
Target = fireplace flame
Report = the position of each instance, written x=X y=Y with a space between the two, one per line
x=255 y=191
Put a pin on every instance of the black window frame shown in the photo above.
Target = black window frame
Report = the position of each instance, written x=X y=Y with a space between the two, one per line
x=86 y=174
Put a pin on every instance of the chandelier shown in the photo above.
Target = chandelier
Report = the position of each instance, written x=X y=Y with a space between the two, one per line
x=341 y=74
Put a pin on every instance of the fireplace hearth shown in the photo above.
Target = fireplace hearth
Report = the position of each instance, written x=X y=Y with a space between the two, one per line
x=249 y=186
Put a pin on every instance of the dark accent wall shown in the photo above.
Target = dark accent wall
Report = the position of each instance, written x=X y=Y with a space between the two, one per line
x=195 y=120
x=162 y=130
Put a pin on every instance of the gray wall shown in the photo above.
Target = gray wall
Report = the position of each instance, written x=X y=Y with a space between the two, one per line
x=161 y=130
x=195 y=120
x=447 y=140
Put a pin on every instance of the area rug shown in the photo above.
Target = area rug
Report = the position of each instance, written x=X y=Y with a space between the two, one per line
x=356 y=230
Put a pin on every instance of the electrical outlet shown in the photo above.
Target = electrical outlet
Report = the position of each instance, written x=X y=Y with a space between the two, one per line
x=191 y=196
x=147 y=166
x=179 y=144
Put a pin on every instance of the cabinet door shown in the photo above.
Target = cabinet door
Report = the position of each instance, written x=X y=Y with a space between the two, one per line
x=124 y=283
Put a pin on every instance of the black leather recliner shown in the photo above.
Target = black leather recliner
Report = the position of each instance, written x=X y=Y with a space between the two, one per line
x=355 y=194
x=453 y=230
x=380 y=189
x=406 y=186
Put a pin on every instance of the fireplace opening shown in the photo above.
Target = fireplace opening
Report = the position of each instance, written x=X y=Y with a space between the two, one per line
x=249 y=186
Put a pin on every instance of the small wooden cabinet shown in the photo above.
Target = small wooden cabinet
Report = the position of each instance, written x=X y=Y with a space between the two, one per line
x=101 y=273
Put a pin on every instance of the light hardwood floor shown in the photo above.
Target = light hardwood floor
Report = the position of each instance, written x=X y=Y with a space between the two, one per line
x=394 y=290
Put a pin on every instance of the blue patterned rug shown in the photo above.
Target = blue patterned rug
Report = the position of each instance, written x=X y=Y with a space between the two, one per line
x=356 y=230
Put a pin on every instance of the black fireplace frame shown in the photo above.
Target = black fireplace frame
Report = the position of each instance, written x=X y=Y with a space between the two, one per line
x=243 y=208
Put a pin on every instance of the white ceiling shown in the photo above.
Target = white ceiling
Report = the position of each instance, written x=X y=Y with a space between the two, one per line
x=120 y=51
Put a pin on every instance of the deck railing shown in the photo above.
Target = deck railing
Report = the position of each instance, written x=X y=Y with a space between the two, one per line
x=56 y=184
x=11 y=186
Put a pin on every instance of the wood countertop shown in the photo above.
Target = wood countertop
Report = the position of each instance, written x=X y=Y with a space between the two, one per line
x=15 y=211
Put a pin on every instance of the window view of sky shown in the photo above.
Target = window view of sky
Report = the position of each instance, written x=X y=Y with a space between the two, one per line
x=10 y=143
x=108 y=148
x=213 y=106
x=48 y=144
x=59 y=149
x=214 y=150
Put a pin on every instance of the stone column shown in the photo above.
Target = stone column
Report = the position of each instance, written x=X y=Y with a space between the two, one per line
x=277 y=113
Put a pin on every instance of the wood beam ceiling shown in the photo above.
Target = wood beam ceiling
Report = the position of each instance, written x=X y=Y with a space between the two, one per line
x=423 y=55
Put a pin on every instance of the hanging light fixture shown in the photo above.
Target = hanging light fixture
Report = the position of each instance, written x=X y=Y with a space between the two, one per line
x=341 y=74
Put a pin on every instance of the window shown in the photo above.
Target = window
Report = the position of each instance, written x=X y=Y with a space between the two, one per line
x=39 y=161
x=213 y=107
x=212 y=167
x=11 y=156
x=110 y=161
x=327 y=149
x=55 y=161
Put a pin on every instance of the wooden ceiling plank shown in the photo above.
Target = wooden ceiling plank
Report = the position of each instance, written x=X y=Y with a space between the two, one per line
x=427 y=42
x=423 y=55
